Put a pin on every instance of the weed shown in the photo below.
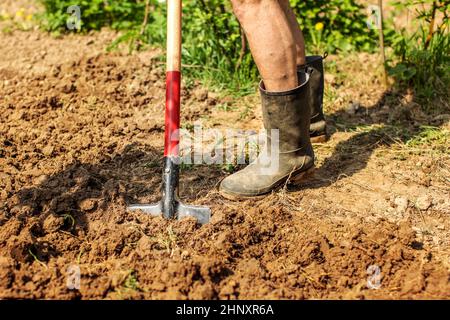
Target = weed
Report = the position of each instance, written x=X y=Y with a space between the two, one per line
x=128 y=285
x=435 y=138
x=421 y=59
x=30 y=251
x=68 y=217
x=8 y=30
x=168 y=240
x=80 y=254
x=131 y=282
x=229 y=167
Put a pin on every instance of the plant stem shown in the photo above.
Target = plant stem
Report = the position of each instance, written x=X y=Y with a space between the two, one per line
x=243 y=49
x=145 y=22
x=431 y=28
x=382 y=50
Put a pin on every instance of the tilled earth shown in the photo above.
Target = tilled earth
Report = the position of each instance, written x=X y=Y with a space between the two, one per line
x=81 y=135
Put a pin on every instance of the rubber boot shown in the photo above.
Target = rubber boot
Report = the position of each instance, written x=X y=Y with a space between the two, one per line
x=318 y=126
x=289 y=112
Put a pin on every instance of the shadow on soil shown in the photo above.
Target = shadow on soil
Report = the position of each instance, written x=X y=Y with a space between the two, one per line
x=133 y=176
x=390 y=121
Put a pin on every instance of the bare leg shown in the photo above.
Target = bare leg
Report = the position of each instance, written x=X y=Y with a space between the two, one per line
x=296 y=31
x=272 y=42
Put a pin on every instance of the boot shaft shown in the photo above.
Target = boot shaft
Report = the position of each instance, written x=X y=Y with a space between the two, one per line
x=317 y=85
x=290 y=113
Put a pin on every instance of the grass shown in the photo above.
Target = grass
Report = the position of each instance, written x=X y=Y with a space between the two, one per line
x=128 y=286
x=168 y=240
x=226 y=106
x=131 y=282
x=228 y=168
x=35 y=258
x=71 y=219
x=7 y=30
x=402 y=142
x=435 y=138
x=80 y=254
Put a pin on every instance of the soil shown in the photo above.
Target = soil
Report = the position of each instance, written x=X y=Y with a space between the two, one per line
x=81 y=135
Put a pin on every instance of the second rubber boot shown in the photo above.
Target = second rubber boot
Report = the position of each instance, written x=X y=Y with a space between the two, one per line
x=318 y=126
x=291 y=159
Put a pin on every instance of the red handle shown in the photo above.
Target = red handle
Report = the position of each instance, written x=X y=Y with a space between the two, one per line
x=172 y=137
x=173 y=81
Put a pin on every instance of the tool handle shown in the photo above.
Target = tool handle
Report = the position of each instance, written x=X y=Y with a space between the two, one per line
x=174 y=35
x=173 y=78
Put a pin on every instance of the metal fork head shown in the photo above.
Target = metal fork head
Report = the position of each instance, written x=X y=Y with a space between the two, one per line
x=202 y=214
x=169 y=206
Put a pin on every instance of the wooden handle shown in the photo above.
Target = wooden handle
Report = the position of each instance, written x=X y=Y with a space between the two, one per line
x=174 y=35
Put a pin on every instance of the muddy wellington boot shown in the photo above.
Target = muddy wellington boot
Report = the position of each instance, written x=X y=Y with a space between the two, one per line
x=318 y=126
x=289 y=112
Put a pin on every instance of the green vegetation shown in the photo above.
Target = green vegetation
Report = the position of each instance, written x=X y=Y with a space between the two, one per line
x=168 y=240
x=21 y=20
x=434 y=138
x=131 y=282
x=32 y=251
x=69 y=221
x=215 y=50
x=423 y=139
x=421 y=58
x=334 y=25
x=128 y=285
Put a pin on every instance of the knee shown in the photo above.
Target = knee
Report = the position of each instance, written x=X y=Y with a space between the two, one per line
x=241 y=7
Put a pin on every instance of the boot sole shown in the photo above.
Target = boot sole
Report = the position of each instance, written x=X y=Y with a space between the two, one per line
x=293 y=180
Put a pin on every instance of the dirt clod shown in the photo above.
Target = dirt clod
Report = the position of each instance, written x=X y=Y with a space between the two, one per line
x=424 y=202
x=52 y=223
